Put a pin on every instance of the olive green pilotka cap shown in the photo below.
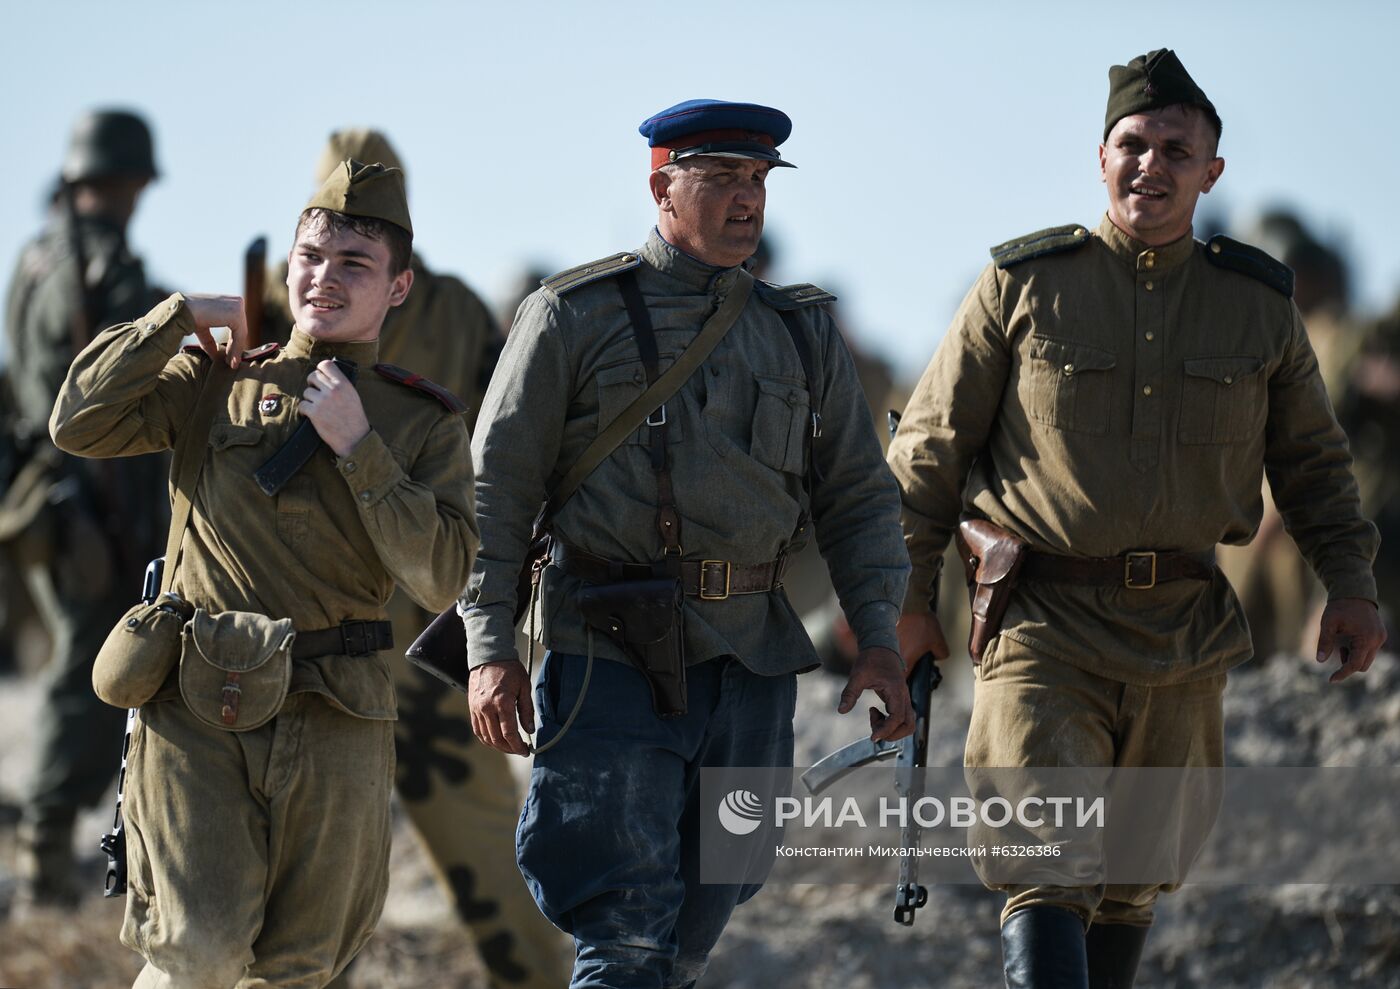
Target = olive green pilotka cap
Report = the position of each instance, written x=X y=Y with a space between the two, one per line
x=1150 y=82
x=369 y=191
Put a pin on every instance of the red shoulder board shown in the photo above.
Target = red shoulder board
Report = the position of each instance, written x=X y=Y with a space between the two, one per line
x=195 y=349
x=416 y=381
x=261 y=353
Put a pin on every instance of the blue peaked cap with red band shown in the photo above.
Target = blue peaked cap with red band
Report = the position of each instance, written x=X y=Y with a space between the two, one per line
x=716 y=127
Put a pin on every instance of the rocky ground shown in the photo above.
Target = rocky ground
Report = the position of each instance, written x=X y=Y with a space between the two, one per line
x=1281 y=937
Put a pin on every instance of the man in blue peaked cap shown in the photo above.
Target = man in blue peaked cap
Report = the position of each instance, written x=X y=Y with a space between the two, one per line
x=672 y=646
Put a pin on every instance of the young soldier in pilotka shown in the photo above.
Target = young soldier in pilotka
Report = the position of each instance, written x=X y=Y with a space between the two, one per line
x=258 y=845
x=1111 y=398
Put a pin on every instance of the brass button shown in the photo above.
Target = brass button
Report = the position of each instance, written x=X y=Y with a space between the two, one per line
x=1148 y=336
x=1147 y=389
x=1079 y=231
x=1150 y=259
x=364 y=496
x=350 y=467
x=150 y=327
x=628 y=258
x=1148 y=286
x=1229 y=380
x=1069 y=369
x=1215 y=248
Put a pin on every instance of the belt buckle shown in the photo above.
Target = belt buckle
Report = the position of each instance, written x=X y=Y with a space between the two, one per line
x=706 y=568
x=1133 y=564
x=355 y=637
x=652 y=419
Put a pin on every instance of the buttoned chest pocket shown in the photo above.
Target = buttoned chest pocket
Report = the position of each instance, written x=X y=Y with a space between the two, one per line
x=1069 y=385
x=781 y=420
x=1223 y=400
x=619 y=386
x=231 y=437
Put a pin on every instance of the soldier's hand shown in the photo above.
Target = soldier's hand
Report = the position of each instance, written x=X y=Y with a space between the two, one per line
x=1352 y=627
x=880 y=670
x=211 y=311
x=498 y=693
x=334 y=408
x=919 y=634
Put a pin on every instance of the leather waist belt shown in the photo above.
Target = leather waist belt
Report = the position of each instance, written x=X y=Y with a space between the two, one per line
x=1137 y=571
x=345 y=639
x=708 y=580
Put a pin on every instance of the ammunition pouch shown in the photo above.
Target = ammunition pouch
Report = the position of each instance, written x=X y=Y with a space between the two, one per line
x=235 y=668
x=646 y=620
x=140 y=652
x=992 y=559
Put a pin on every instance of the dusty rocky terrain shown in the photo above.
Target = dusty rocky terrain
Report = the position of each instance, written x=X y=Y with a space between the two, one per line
x=1212 y=937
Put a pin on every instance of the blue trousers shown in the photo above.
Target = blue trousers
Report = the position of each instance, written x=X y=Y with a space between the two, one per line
x=609 y=838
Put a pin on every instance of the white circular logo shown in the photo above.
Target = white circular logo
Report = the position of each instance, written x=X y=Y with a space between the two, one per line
x=741 y=812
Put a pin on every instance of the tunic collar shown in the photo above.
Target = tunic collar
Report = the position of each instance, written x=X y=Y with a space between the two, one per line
x=691 y=272
x=365 y=353
x=1140 y=256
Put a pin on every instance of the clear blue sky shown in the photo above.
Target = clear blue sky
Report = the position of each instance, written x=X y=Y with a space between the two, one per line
x=924 y=132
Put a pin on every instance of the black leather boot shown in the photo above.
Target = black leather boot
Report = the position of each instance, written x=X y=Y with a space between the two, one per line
x=1042 y=947
x=1114 y=952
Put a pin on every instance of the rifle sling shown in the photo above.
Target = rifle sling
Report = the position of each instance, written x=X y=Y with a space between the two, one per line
x=300 y=447
x=632 y=417
x=190 y=453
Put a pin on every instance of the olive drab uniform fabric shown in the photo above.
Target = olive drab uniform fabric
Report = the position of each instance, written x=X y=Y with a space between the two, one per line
x=459 y=793
x=738 y=428
x=82 y=539
x=328 y=548
x=1098 y=396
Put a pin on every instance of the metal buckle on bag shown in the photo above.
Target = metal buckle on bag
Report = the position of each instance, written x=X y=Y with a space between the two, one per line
x=653 y=421
x=816 y=426
x=708 y=567
x=1140 y=570
x=356 y=637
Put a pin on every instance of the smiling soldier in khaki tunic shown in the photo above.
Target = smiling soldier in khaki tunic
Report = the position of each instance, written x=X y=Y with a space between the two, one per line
x=1113 y=399
x=259 y=857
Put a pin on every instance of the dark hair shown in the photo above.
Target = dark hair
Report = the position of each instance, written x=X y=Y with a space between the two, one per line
x=396 y=238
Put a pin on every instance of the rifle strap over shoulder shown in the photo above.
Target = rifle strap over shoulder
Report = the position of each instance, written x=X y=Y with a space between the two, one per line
x=190 y=454
x=632 y=417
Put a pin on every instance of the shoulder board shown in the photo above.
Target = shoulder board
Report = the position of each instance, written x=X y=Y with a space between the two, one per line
x=567 y=281
x=792 y=296
x=1223 y=252
x=261 y=353
x=195 y=349
x=1039 y=244
x=417 y=382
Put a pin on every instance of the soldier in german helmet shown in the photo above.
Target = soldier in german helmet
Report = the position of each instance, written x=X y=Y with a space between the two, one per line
x=80 y=533
x=1113 y=397
x=460 y=795
x=258 y=847
x=704 y=501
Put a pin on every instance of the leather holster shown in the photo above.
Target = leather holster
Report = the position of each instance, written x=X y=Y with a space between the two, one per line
x=992 y=559
x=645 y=618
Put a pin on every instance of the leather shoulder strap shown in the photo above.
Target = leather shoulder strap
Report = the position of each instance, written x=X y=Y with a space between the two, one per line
x=632 y=417
x=190 y=455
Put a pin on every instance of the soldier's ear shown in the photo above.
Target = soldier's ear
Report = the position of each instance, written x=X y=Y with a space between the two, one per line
x=1217 y=166
x=660 y=188
x=403 y=281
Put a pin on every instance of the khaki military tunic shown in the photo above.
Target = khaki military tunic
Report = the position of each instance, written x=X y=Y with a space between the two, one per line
x=231 y=878
x=737 y=452
x=1114 y=397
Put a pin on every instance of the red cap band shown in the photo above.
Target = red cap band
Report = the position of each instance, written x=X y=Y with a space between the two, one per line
x=661 y=154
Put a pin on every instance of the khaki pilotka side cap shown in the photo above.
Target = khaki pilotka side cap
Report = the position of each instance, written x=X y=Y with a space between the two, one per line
x=369 y=191
x=1150 y=82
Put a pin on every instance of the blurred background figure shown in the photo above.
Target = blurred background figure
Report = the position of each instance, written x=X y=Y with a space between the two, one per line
x=1281 y=597
x=459 y=794
x=80 y=532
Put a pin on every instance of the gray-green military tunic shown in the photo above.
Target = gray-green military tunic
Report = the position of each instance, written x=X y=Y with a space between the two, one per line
x=264 y=854
x=1098 y=396
x=83 y=554
x=737 y=431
